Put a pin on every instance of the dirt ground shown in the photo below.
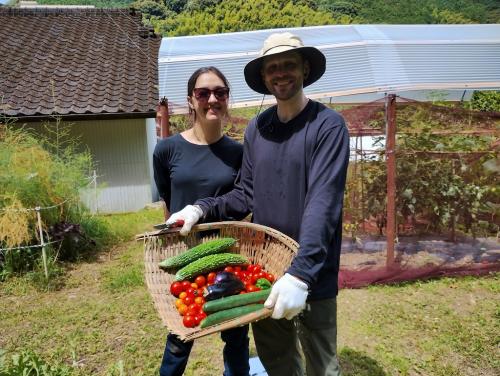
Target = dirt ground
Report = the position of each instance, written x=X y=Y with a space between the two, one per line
x=416 y=251
x=364 y=260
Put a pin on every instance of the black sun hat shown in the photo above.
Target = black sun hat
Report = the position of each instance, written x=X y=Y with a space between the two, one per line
x=278 y=43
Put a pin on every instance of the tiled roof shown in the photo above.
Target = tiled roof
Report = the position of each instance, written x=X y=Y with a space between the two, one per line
x=77 y=62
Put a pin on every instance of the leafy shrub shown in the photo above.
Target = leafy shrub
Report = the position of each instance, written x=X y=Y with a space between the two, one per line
x=486 y=101
x=449 y=192
x=48 y=171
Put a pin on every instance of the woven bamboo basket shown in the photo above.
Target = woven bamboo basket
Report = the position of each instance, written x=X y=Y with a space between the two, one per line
x=260 y=244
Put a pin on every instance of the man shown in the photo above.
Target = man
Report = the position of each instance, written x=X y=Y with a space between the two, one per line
x=292 y=179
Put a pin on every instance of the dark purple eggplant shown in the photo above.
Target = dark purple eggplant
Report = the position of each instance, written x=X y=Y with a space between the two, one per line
x=225 y=277
x=222 y=289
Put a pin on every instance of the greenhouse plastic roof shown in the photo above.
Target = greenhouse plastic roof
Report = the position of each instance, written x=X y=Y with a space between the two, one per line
x=364 y=62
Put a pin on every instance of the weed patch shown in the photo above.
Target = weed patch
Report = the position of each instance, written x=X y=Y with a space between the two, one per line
x=125 y=278
x=28 y=363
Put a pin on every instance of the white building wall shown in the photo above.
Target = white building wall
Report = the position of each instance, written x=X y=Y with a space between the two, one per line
x=123 y=160
x=120 y=151
x=151 y=142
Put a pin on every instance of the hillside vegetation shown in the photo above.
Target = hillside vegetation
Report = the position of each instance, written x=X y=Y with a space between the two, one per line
x=192 y=17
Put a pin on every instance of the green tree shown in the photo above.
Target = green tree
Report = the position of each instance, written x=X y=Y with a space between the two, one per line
x=421 y=11
x=150 y=8
x=349 y=8
x=200 y=5
x=242 y=15
x=175 y=6
x=445 y=16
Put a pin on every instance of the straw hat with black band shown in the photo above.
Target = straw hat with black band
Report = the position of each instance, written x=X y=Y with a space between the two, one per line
x=278 y=43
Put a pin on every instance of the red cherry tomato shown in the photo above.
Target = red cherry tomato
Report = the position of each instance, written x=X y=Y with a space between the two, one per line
x=211 y=277
x=176 y=289
x=257 y=268
x=193 y=309
x=188 y=300
x=254 y=278
x=200 y=281
x=197 y=320
x=261 y=274
x=186 y=285
x=253 y=288
x=229 y=269
x=189 y=321
x=237 y=268
x=200 y=300
x=250 y=268
x=199 y=317
x=182 y=309
x=270 y=277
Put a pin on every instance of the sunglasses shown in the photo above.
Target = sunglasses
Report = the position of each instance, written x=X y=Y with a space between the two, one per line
x=203 y=93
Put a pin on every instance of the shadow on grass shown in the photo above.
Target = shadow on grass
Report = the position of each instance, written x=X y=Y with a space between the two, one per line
x=357 y=363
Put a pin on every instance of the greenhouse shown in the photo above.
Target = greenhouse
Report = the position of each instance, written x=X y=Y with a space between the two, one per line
x=364 y=62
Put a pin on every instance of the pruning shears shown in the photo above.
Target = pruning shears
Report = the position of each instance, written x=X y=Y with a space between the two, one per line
x=164 y=226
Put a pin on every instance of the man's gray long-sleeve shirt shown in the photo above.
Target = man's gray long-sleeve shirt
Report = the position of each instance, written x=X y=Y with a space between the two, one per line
x=293 y=180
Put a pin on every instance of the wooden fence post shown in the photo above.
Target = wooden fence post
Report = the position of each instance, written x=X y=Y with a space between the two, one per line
x=42 y=242
x=390 y=155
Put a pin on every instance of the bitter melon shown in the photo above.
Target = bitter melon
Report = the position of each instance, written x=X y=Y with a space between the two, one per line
x=195 y=253
x=209 y=263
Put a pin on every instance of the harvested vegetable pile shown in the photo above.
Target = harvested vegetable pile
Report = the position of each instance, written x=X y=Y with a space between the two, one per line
x=213 y=285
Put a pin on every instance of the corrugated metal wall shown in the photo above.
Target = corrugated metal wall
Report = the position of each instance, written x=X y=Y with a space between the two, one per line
x=120 y=150
x=123 y=162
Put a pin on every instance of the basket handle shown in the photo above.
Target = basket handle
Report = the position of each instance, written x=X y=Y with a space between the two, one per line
x=219 y=225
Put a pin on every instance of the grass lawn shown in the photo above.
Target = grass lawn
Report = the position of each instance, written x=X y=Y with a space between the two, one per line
x=102 y=321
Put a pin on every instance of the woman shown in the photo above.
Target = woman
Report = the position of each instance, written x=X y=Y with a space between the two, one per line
x=201 y=162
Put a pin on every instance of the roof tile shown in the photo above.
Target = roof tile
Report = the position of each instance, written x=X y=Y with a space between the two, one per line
x=76 y=61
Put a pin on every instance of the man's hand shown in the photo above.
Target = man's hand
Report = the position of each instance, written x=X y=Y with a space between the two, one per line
x=190 y=215
x=288 y=297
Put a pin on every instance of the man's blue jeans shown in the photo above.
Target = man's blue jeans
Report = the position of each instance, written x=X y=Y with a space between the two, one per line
x=235 y=353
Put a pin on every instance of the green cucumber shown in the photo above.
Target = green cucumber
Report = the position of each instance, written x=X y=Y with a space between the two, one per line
x=228 y=314
x=235 y=301
x=209 y=263
x=201 y=250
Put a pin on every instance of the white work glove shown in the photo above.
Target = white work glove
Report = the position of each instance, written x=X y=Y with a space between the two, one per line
x=190 y=215
x=288 y=297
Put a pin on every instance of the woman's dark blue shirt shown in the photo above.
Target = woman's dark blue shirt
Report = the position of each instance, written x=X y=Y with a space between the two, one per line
x=185 y=172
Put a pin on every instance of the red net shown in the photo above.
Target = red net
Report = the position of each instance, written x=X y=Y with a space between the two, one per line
x=447 y=199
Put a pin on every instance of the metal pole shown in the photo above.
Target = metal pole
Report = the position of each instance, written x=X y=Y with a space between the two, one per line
x=390 y=150
x=42 y=243
x=94 y=177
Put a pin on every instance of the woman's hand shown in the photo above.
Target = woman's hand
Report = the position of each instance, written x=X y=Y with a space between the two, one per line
x=191 y=214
